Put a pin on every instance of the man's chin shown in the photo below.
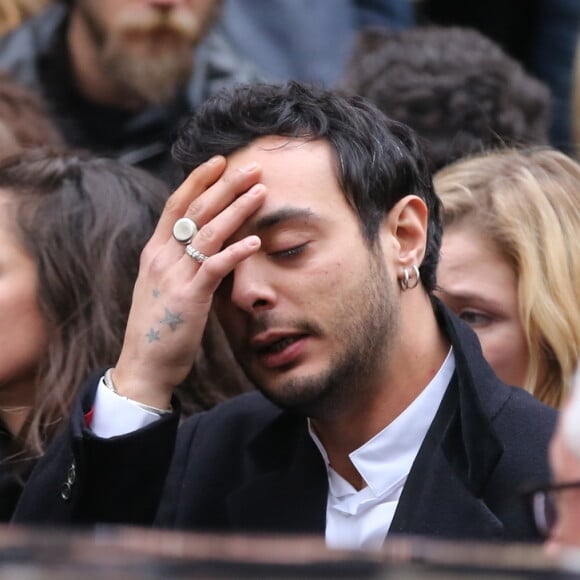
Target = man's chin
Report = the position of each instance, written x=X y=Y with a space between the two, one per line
x=302 y=395
x=161 y=48
x=150 y=74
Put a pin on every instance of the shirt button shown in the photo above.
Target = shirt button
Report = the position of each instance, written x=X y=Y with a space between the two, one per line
x=65 y=491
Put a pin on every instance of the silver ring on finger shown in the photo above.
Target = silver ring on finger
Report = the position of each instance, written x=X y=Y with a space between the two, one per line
x=184 y=230
x=195 y=254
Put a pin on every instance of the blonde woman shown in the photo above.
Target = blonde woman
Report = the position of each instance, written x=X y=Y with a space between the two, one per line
x=510 y=262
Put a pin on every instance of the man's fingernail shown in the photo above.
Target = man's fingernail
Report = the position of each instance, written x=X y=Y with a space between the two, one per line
x=256 y=190
x=253 y=242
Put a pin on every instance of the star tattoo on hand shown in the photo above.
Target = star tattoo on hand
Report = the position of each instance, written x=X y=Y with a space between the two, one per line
x=172 y=319
x=153 y=335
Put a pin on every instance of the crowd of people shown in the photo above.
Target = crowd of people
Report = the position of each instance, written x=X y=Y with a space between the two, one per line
x=357 y=314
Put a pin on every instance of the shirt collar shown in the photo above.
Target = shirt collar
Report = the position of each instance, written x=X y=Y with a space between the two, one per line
x=386 y=459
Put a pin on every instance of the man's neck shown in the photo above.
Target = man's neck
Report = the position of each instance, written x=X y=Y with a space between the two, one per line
x=92 y=82
x=413 y=362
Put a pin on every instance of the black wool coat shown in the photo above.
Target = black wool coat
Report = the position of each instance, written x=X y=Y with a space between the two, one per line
x=15 y=466
x=247 y=465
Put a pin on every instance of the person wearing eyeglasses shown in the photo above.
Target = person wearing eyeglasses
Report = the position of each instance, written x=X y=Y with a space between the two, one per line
x=556 y=506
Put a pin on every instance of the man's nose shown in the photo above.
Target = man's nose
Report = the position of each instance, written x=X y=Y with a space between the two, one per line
x=252 y=290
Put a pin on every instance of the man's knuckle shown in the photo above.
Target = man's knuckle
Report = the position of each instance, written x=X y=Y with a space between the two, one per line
x=194 y=209
x=171 y=205
x=233 y=251
x=156 y=265
x=207 y=233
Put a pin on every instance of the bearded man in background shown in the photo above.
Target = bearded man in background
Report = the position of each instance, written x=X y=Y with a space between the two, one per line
x=119 y=75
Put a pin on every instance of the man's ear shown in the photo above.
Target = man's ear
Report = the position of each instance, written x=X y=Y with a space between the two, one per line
x=405 y=228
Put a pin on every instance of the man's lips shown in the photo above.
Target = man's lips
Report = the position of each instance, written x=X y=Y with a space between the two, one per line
x=268 y=341
x=276 y=349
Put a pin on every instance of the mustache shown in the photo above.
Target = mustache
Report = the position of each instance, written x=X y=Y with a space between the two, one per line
x=179 y=22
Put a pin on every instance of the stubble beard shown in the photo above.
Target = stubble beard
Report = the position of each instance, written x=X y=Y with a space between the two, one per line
x=367 y=319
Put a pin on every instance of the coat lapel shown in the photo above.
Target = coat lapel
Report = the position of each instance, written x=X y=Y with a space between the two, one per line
x=443 y=493
x=442 y=496
x=290 y=494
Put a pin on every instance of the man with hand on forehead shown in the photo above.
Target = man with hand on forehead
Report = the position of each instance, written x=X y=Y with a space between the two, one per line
x=310 y=226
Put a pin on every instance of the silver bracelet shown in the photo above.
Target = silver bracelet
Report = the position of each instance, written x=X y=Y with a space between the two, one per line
x=108 y=380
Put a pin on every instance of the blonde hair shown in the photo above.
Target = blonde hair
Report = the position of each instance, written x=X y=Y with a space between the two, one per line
x=528 y=204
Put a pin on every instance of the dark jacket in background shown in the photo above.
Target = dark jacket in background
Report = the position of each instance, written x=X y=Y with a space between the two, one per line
x=305 y=40
x=247 y=465
x=37 y=56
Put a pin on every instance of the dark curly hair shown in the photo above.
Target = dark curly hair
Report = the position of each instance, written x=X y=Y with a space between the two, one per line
x=454 y=86
x=378 y=160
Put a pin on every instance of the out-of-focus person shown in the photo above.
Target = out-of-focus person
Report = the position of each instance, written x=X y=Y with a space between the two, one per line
x=458 y=89
x=556 y=506
x=304 y=40
x=510 y=262
x=71 y=231
x=119 y=75
x=565 y=460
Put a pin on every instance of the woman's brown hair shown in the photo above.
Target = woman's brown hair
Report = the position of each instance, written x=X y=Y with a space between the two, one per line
x=84 y=221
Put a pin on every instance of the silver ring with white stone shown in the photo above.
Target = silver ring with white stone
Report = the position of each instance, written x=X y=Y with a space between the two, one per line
x=184 y=230
x=195 y=254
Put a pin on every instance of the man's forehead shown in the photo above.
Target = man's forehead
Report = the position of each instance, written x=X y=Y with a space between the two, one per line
x=300 y=178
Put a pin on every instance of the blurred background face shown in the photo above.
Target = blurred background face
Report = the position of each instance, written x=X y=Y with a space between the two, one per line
x=565 y=468
x=147 y=45
x=22 y=327
x=481 y=288
x=565 y=463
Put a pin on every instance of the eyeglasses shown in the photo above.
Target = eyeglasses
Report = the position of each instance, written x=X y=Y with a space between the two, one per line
x=544 y=504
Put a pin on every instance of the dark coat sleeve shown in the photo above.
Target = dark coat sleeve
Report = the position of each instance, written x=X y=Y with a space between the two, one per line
x=84 y=479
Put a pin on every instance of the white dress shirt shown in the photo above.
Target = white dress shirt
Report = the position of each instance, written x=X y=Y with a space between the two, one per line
x=354 y=519
x=361 y=519
x=114 y=415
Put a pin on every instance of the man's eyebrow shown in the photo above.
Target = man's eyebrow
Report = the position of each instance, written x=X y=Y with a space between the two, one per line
x=282 y=215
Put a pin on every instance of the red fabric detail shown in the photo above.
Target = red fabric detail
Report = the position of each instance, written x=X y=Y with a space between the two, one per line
x=89 y=417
